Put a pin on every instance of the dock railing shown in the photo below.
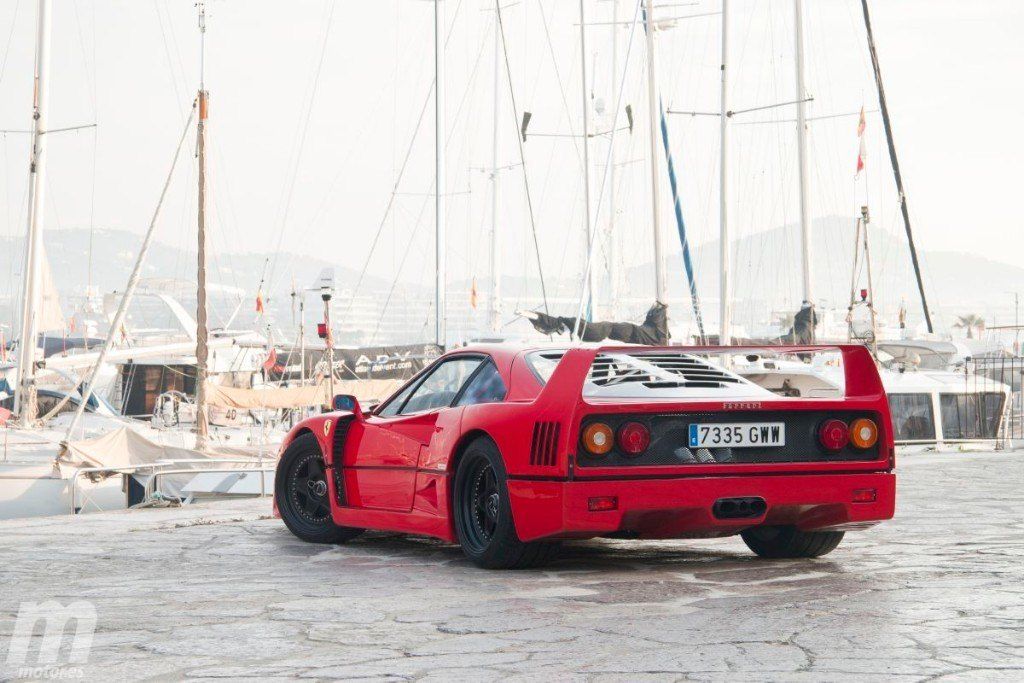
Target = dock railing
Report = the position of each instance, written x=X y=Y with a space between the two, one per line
x=162 y=468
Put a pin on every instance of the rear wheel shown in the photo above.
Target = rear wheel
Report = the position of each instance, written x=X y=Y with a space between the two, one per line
x=778 y=542
x=302 y=494
x=483 y=515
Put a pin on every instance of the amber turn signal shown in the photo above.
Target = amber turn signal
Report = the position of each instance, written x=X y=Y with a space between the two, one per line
x=863 y=433
x=598 y=438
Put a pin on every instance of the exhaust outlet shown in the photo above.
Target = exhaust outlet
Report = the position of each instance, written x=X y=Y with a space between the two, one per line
x=749 y=507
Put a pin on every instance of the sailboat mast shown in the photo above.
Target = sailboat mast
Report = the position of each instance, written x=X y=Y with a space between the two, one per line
x=591 y=272
x=653 y=114
x=495 y=298
x=895 y=163
x=801 y=149
x=725 y=278
x=440 y=278
x=202 y=321
x=25 y=397
x=613 y=234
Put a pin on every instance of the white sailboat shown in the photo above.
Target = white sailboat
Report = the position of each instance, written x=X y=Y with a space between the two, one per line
x=60 y=460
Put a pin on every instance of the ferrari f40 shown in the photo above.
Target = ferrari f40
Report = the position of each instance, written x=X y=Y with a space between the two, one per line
x=509 y=450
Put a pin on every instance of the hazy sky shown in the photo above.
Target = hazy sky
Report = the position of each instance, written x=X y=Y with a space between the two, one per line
x=310 y=162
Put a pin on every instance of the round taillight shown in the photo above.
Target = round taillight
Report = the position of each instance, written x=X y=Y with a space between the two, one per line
x=598 y=438
x=834 y=435
x=634 y=438
x=863 y=433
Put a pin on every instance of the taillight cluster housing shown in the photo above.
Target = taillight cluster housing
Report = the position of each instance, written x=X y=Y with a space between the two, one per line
x=835 y=434
x=628 y=438
x=632 y=438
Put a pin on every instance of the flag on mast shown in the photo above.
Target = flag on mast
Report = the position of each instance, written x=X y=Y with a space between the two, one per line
x=862 y=153
x=259 y=302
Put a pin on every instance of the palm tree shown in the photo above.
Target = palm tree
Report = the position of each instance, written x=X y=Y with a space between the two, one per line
x=970 y=322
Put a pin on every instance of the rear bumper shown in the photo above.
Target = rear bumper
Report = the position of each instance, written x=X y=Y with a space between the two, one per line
x=682 y=507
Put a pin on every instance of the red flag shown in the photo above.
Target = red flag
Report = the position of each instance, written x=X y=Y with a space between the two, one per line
x=271 y=362
x=862 y=153
x=259 y=302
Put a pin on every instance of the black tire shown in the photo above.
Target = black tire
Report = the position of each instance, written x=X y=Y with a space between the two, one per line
x=302 y=496
x=779 y=542
x=483 y=515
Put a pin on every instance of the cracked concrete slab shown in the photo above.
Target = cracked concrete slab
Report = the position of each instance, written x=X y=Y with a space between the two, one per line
x=223 y=591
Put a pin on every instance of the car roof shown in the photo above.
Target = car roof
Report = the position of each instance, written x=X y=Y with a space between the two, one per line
x=505 y=352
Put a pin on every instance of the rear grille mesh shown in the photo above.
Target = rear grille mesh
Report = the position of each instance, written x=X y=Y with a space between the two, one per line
x=662 y=371
x=544 y=448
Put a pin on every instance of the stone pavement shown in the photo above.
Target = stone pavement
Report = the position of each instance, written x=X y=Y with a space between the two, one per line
x=224 y=591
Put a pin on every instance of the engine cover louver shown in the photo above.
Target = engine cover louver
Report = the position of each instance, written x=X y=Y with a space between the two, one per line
x=543 y=450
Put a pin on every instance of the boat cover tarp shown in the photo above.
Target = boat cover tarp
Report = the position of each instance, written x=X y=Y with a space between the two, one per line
x=804 y=322
x=366 y=390
x=653 y=331
x=124 y=447
x=269 y=398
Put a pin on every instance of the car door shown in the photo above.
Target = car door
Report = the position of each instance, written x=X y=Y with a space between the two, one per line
x=380 y=468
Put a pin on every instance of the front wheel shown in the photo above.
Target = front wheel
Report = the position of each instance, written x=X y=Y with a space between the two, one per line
x=779 y=542
x=483 y=515
x=302 y=494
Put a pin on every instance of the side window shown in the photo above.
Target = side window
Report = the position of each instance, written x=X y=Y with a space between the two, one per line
x=391 y=409
x=912 y=416
x=486 y=387
x=441 y=386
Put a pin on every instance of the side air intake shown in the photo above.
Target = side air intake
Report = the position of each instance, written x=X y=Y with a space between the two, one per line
x=543 y=450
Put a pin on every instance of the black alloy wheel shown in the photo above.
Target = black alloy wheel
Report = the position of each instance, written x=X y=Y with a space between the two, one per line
x=303 y=496
x=483 y=514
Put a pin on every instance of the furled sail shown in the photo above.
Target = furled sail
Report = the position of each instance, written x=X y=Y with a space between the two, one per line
x=51 y=318
x=653 y=331
x=310 y=395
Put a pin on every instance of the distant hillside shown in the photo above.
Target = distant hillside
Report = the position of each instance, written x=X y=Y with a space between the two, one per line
x=766 y=269
x=114 y=253
x=766 y=272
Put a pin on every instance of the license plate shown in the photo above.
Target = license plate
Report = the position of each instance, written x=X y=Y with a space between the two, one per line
x=737 y=435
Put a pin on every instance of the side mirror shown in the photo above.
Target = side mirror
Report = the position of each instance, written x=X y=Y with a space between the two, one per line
x=346 y=402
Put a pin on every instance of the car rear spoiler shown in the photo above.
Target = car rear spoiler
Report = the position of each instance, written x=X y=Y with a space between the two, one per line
x=565 y=386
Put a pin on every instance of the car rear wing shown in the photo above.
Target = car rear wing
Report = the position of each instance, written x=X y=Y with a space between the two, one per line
x=565 y=387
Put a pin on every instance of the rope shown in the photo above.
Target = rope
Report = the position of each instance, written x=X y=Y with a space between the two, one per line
x=598 y=237
x=302 y=135
x=522 y=157
x=401 y=174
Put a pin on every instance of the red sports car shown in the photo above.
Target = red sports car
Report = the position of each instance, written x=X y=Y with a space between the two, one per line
x=508 y=450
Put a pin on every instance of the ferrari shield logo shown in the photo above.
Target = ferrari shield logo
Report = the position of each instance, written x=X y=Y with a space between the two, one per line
x=327 y=427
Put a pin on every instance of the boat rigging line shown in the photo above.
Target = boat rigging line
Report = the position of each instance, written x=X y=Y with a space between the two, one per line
x=522 y=156
x=302 y=138
x=673 y=183
x=133 y=281
x=607 y=170
x=401 y=174
x=887 y=123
